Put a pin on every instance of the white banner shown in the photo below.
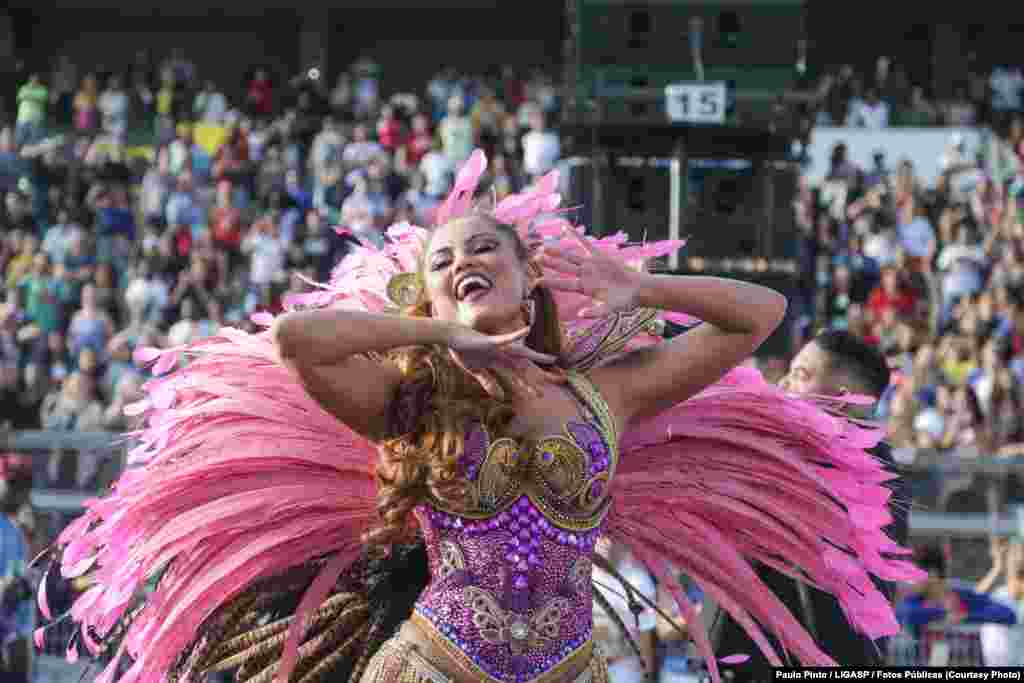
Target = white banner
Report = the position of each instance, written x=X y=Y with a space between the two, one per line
x=925 y=147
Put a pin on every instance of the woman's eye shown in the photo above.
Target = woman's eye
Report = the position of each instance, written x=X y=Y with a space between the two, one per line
x=484 y=247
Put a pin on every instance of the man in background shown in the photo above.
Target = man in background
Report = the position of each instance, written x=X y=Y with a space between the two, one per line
x=833 y=363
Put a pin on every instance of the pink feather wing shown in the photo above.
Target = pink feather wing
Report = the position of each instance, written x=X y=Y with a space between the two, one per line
x=744 y=473
x=240 y=476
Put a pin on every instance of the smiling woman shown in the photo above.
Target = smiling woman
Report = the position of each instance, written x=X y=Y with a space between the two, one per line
x=476 y=275
x=406 y=476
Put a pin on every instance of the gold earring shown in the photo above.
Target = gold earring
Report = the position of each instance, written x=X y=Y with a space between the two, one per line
x=404 y=289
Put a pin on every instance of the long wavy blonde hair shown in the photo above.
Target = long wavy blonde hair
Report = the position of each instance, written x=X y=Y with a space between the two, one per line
x=423 y=463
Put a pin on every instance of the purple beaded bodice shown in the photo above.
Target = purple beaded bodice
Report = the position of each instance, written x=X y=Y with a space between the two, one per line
x=510 y=573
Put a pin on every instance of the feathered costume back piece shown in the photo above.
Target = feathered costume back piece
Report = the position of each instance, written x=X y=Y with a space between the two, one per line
x=233 y=539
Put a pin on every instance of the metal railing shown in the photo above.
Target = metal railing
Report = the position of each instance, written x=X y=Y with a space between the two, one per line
x=940 y=646
x=59 y=499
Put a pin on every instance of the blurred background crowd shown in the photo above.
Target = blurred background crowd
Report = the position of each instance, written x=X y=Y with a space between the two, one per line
x=143 y=206
x=933 y=274
x=108 y=246
x=233 y=205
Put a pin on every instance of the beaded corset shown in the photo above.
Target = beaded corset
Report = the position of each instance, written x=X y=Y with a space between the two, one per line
x=510 y=594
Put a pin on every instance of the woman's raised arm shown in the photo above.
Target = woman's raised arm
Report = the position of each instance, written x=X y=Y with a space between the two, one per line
x=737 y=317
x=325 y=349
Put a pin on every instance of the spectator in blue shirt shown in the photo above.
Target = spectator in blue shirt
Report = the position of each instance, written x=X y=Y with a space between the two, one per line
x=17 y=613
x=938 y=602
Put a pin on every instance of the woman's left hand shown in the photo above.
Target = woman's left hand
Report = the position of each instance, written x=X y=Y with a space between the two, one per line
x=595 y=274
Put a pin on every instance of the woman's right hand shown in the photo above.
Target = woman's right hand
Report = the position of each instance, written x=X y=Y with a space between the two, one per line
x=497 y=360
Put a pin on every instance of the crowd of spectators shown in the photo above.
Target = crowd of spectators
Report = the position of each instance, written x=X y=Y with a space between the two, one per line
x=148 y=207
x=931 y=273
x=227 y=207
x=888 y=96
x=109 y=244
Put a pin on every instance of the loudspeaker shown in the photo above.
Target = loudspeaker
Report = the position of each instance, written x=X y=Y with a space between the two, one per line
x=780 y=343
x=581 y=191
x=637 y=200
x=622 y=33
x=741 y=212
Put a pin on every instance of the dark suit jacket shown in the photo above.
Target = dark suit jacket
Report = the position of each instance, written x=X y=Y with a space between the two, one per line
x=834 y=633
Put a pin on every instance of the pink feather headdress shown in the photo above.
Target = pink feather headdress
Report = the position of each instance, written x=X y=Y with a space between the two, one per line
x=386 y=279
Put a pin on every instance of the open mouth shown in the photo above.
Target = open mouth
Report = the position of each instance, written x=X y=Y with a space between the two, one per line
x=472 y=287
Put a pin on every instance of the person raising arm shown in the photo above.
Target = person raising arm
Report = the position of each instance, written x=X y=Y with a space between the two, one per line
x=737 y=318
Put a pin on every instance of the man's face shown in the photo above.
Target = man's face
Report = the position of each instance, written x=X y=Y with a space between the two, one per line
x=809 y=373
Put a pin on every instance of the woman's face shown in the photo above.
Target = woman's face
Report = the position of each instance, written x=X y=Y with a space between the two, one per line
x=475 y=276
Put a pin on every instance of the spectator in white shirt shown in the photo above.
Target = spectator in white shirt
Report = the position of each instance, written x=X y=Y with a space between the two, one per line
x=917 y=236
x=113 y=104
x=1004 y=645
x=60 y=236
x=438 y=171
x=182 y=208
x=456 y=132
x=541 y=147
x=871 y=112
x=881 y=246
x=359 y=213
x=150 y=293
x=267 y=253
x=326 y=152
x=157 y=185
x=963 y=268
x=1007 y=85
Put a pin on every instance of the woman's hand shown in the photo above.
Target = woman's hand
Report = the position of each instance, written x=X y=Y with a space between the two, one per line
x=500 y=360
x=612 y=285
